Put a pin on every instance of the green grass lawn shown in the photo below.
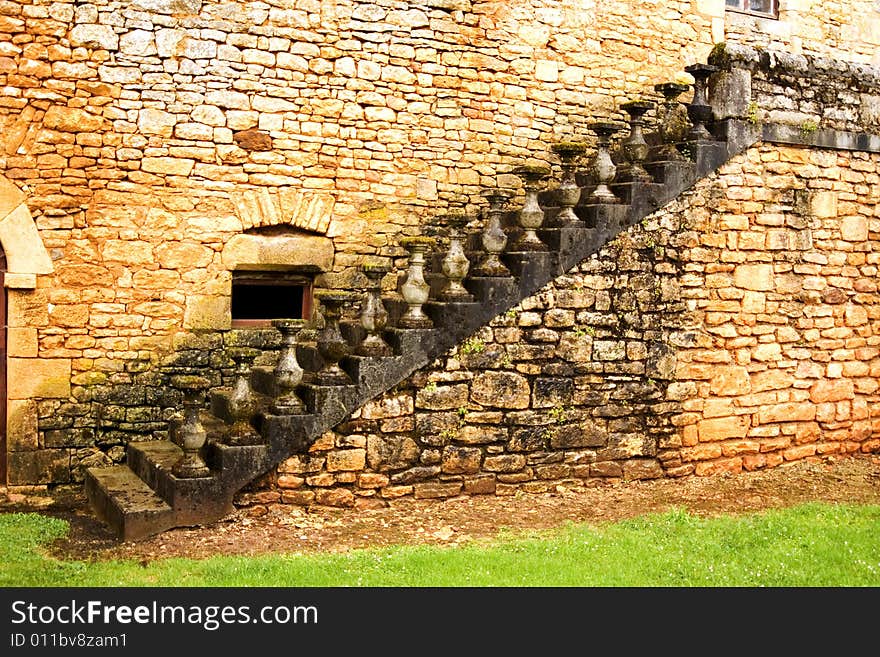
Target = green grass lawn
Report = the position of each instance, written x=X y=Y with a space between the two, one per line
x=813 y=545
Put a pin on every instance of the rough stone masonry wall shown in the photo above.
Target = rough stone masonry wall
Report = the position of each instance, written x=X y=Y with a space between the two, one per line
x=848 y=30
x=148 y=134
x=736 y=329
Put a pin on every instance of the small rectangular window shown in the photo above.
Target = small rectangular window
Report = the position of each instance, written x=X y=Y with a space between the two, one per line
x=258 y=297
x=769 y=8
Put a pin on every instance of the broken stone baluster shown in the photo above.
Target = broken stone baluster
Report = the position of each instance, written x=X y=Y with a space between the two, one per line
x=415 y=290
x=455 y=264
x=569 y=153
x=241 y=400
x=288 y=372
x=191 y=435
x=331 y=344
x=673 y=125
x=494 y=238
x=635 y=148
x=604 y=168
x=699 y=111
x=531 y=216
x=374 y=316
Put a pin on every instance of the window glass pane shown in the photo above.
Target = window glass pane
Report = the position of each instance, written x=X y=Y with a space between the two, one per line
x=736 y=4
x=762 y=6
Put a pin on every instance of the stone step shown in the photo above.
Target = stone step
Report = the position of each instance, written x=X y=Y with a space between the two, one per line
x=131 y=509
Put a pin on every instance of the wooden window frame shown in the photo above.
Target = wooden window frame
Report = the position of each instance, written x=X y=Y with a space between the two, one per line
x=743 y=8
x=242 y=279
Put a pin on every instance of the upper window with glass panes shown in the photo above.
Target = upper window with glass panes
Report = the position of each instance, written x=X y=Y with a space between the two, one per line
x=768 y=8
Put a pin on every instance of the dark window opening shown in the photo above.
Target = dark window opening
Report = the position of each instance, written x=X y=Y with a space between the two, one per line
x=766 y=8
x=260 y=297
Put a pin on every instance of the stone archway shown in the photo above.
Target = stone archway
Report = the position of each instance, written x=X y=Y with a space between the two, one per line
x=25 y=254
x=22 y=258
x=2 y=367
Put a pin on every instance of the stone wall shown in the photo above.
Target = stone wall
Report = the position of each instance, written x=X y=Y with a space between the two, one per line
x=807 y=91
x=736 y=329
x=848 y=30
x=146 y=136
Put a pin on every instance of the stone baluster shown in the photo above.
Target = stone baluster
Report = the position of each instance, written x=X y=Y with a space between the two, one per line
x=288 y=372
x=531 y=216
x=415 y=290
x=635 y=148
x=674 y=125
x=191 y=435
x=699 y=111
x=330 y=342
x=604 y=169
x=374 y=316
x=455 y=264
x=493 y=237
x=570 y=153
x=241 y=400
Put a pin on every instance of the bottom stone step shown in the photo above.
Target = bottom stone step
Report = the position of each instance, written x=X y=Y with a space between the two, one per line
x=126 y=503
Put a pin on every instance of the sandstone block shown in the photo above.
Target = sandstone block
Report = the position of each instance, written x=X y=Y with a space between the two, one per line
x=832 y=390
x=346 y=459
x=505 y=463
x=731 y=381
x=501 y=389
x=723 y=428
x=461 y=460
x=93 y=35
x=207 y=312
x=38 y=378
x=754 y=277
x=436 y=490
x=854 y=229
x=21 y=425
x=787 y=412
x=168 y=165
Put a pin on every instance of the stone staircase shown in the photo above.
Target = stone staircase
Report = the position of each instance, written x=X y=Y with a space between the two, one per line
x=150 y=493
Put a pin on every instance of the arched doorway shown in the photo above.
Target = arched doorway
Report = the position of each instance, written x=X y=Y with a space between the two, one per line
x=3 y=444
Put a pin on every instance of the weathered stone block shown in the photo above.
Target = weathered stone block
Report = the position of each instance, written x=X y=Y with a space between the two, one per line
x=754 y=277
x=38 y=378
x=435 y=490
x=552 y=391
x=207 y=312
x=391 y=452
x=21 y=425
x=45 y=466
x=346 y=459
x=501 y=390
x=461 y=460
x=504 y=463
x=830 y=390
x=723 y=428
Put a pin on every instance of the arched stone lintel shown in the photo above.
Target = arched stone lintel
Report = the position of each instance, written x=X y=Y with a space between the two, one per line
x=268 y=252
x=26 y=256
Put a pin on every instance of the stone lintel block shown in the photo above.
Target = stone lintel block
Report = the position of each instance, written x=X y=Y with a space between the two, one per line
x=38 y=378
x=207 y=312
x=262 y=252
